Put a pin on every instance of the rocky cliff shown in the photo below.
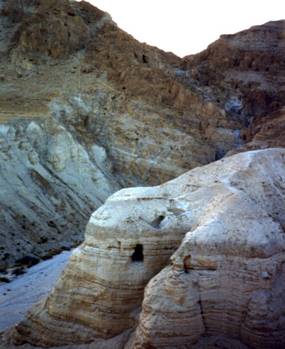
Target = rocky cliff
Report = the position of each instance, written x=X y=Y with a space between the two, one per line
x=245 y=73
x=210 y=247
x=85 y=109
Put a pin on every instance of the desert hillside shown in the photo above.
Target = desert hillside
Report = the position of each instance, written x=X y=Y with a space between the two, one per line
x=87 y=111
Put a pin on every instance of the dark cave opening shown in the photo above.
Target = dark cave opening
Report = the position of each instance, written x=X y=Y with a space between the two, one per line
x=144 y=59
x=137 y=256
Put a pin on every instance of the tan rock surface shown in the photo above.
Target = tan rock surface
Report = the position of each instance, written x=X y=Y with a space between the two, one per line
x=224 y=282
x=85 y=109
x=135 y=114
x=244 y=70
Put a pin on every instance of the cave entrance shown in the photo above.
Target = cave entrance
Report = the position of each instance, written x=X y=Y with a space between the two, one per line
x=137 y=256
x=144 y=59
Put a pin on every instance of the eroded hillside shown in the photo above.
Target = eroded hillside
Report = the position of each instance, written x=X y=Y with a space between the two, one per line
x=85 y=109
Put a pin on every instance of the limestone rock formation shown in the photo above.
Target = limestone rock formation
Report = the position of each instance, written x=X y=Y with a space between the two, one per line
x=85 y=110
x=212 y=244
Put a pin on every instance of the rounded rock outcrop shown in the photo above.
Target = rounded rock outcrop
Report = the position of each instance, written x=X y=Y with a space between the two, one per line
x=223 y=228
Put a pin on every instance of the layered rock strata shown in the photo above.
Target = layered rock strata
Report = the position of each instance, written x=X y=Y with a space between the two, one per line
x=244 y=71
x=137 y=115
x=217 y=235
x=85 y=109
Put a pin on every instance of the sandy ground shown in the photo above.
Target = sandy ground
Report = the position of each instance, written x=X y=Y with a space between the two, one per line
x=17 y=297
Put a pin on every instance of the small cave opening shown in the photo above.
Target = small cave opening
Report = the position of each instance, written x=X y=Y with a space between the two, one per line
x=137 y=256
x=157 y=221
x=144 y=58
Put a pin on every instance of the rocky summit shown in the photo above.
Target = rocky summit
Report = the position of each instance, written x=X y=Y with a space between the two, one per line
x=85 y=111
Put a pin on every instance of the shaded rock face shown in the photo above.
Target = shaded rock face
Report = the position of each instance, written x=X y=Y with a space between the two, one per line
x=245 y=71
x=50 y=185
x=217 y=235
x=135 y=115
x=266 y=132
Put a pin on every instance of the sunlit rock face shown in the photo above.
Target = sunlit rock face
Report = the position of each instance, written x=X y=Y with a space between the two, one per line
x=210 y=247
x=226 y=280
x=73 y=83
x=85 y=110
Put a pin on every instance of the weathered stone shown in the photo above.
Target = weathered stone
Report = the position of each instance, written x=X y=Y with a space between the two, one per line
x=85 y=109
x=149 y=126
x=226 y=279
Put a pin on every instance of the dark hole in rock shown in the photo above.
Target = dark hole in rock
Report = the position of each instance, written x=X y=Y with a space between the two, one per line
x=43 y=240
x=144 y=59
x=186 y=263
x=137 y=256
x=157 y=221
x=51 y=224
x=5 y=257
